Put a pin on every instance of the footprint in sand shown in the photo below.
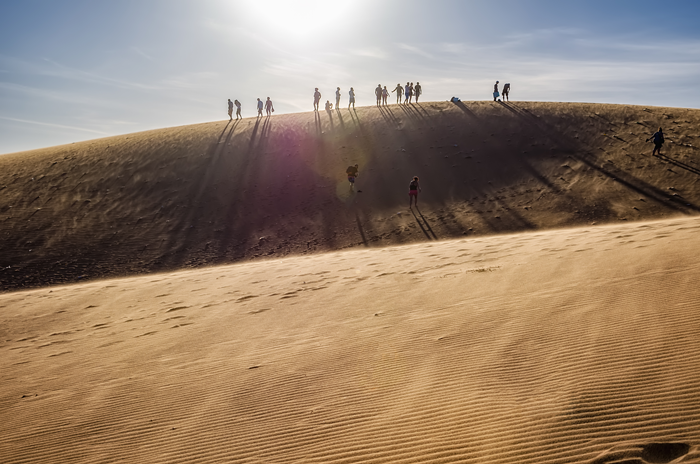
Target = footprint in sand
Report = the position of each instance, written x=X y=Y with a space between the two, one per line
x=650 y=453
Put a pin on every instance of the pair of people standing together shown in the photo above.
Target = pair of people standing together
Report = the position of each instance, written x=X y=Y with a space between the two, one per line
x=409 y=92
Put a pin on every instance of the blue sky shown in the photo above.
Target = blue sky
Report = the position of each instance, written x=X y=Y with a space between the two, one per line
x=74 y=70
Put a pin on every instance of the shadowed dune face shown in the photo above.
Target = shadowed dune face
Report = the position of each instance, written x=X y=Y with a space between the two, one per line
x=230 y=191
x=554 y=347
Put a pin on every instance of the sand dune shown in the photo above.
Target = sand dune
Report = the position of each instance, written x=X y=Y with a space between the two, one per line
x=225 y=192
x=565 y=346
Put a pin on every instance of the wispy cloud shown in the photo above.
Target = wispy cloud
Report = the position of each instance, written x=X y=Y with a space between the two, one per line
x=142 y=53
x=57 y=126
x=414 y=49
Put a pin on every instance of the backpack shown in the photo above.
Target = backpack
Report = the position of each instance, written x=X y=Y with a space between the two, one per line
x=413 y=185
x=455 y=99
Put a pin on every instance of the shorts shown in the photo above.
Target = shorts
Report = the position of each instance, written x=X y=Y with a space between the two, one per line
x=413 y=193
x=351 y=179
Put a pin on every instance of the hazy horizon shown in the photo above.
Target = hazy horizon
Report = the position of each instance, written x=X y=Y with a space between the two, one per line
x=81 y=70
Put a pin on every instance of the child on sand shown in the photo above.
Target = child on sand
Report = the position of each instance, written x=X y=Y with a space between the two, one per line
x=230 y=109
x=352 y=173
x=413 y=189
x=658 y=139
x=329 y=105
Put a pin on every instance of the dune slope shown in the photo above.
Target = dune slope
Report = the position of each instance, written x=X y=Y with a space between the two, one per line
x=224 y=192
x=569 y=346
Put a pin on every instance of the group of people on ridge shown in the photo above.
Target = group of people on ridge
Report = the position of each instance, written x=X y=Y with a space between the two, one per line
x=409 y=91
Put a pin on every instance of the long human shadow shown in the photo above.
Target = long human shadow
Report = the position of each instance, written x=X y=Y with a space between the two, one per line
x=628 y=180
x=389 y=117
x=362 y=231
x=679 y=164
x=330 y=118
x=201 y=185
x=420 y=224
x=427 y=224
x=317 y=123
x=340 y=118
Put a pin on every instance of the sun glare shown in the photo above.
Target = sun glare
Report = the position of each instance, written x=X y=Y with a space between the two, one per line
x=300 y=17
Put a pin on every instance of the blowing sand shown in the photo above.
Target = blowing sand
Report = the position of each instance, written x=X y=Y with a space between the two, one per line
x=226 y=192
x=560 y=346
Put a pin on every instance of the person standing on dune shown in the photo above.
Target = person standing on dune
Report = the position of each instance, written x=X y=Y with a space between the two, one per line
x=352 y=173
x=417 y=90
x=385 y=95
x=413 y=189
x=658 y=139
x=268 y=107
x=337 y=98
x=230 y=109
x=506 y=91
x=407 y=92
x=260 y=107
x=495 y=91
x=399 y=92
x=378 y=94
x=238 y=109
x=317 y=98
x=352 y=98
x=410 y=94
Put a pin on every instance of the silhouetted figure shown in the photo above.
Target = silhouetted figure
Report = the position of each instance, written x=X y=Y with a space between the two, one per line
x=418 y=91
x=407 y=92
x=495 y=91
x=352 y=98
x=352 y=173
x=385 y=94
x=378 y=94
x=658 y=139
x=317 y=98
x=413 y=189
x=238 y=109
x=337 y=98
x=399 y=92
x=410 y=93
x=506 y=91
x=230 y=109
x=329 y=105
x=260 y=107
x=268 y=106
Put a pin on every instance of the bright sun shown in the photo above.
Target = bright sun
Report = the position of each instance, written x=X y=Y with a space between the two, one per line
x=299 y=16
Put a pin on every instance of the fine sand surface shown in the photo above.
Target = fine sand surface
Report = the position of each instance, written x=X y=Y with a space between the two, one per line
x=225 y=192
x=559 y=346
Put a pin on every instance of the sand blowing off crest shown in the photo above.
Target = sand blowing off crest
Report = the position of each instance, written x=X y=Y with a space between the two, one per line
x=224 y=192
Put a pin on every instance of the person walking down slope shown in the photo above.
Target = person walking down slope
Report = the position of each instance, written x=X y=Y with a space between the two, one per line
x=337 y=98
x=317 y=98
x=230 y=109
x=238 y=109
x=506 y=91
x=385 y=95
x=352 y=98
x=260 y=107
x=352 y=173
x=399 y=92
x=413 y=189
x=658 y=139
x=418 y=90
x=495 y=91
x=378 y=94
x=268 y=106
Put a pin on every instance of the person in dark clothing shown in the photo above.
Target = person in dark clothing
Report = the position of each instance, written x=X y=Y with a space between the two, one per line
x=230 y=109
x=506 y=92
x=352 y=172
x=495 y=91
x=658 y=139
x=418 y=91
x=399 y=93
x=413 y=189
x=378 y=93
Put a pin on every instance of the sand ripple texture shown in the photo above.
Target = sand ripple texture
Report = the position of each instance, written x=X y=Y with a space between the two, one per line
x=569 y=346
